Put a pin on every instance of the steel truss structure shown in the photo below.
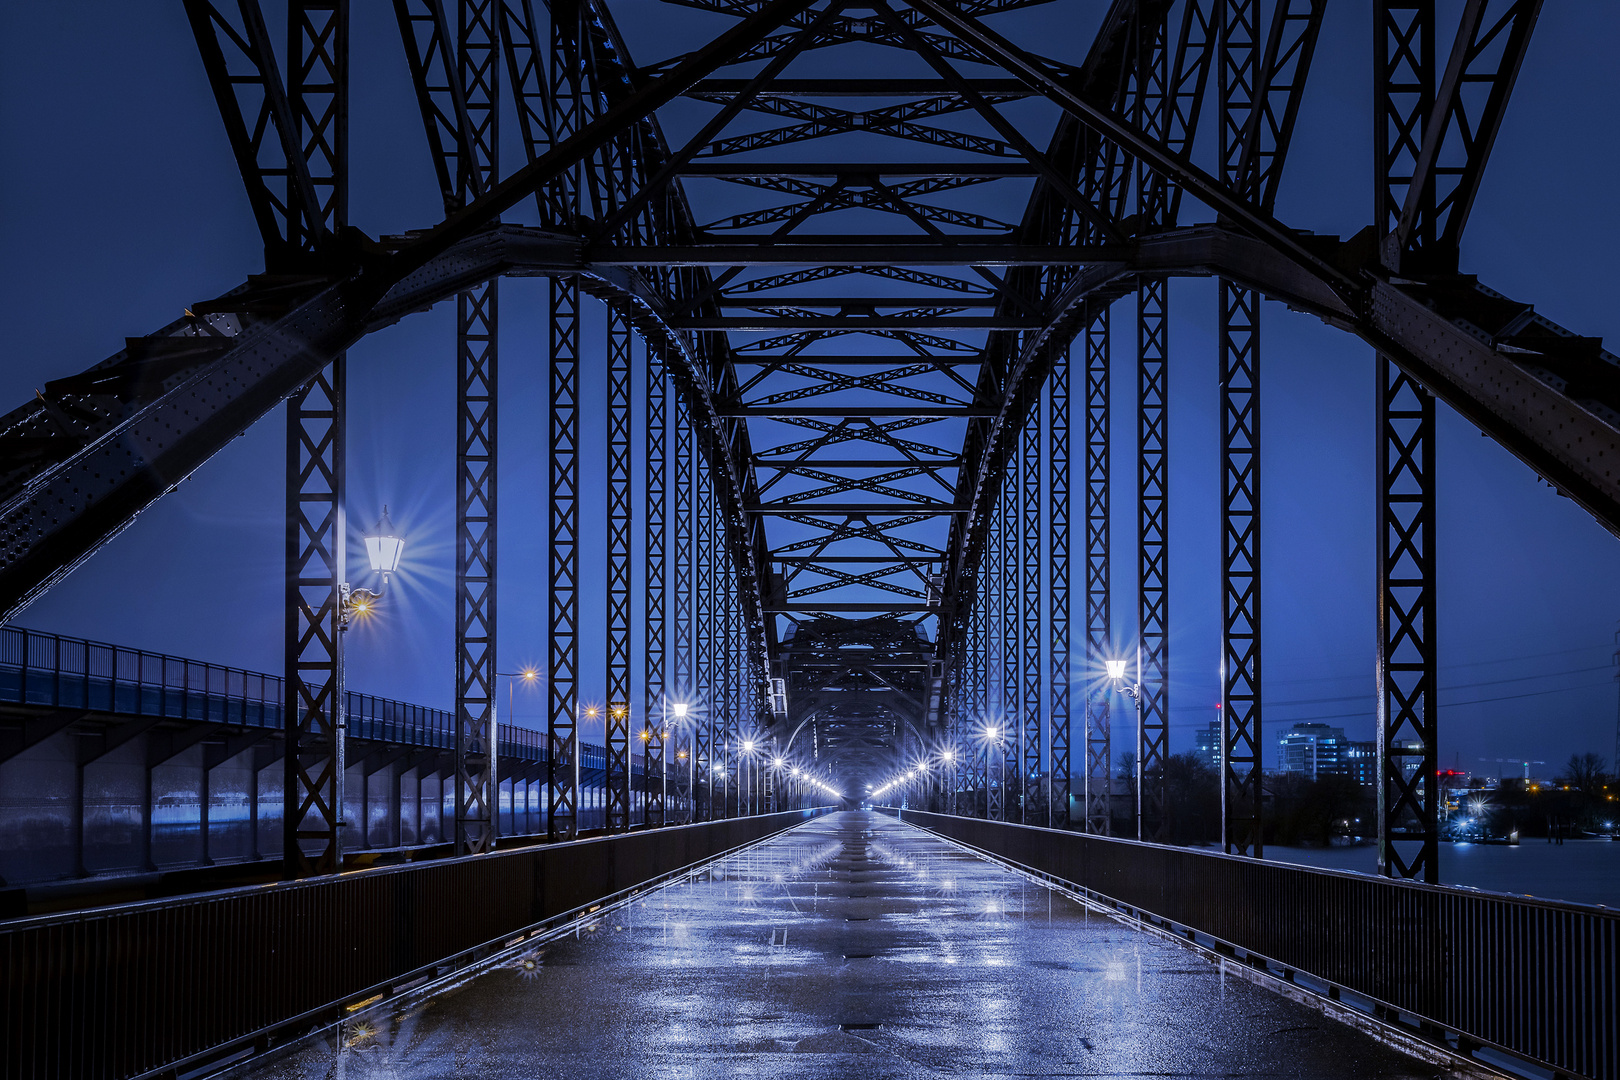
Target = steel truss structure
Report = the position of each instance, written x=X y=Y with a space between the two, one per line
x=855 y=463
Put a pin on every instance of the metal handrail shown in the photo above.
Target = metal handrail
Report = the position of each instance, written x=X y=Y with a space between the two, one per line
x=1534 y=980
x=54 y=670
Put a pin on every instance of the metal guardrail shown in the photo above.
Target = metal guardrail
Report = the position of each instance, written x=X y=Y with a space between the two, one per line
x=172 y=985
x=1536 y=980
x=73 y=673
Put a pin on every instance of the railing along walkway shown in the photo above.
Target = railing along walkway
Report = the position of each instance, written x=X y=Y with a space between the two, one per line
x=59 y=672
x=1535 y=981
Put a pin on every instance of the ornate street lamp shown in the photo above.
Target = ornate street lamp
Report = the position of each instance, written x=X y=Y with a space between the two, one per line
x=1116 y=672
x=384 y=550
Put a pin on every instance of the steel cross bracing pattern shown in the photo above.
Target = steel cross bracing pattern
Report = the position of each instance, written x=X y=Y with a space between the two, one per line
x=857 y=292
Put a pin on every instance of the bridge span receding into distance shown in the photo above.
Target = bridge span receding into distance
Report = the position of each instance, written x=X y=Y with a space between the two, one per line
x=734 y=440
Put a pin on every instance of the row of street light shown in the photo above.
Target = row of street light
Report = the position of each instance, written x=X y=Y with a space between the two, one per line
x=994 y=735
x=384 y=550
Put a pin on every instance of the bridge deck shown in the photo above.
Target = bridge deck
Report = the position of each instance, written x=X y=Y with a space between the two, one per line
x=853 y=946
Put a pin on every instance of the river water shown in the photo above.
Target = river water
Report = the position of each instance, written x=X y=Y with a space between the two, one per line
x=1579 y=871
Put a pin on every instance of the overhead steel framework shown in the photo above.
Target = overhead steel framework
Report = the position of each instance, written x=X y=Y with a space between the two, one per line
x=854 y=474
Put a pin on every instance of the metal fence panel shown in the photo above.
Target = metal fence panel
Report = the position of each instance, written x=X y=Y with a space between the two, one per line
x=1534 y=978
x=124 y=991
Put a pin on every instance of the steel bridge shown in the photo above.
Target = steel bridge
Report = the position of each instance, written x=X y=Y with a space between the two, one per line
x=859 y=353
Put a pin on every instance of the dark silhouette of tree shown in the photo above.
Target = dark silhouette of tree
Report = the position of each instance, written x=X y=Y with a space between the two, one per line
x=1586 y=780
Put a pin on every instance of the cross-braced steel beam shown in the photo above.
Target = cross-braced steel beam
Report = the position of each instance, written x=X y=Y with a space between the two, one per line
x=1241 y=796
x=1153 y=554
x=1099 y=782
x=617 y=720
x=316 y=529
x=562 y=580
x=708 y=694
x=685 y=688
x=655 y=722
x=315 y=206
x=1031 y=586
x=1408 y=715
x=1059 y=586
x=1242 y=99
x=478 y=74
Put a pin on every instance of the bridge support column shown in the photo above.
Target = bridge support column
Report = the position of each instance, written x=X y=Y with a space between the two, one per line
x=1031 y=579
x=656 y=719
x=1153 y=555
x=1408 y=796
x=1059 y=585
x=706 y=707
x=1242 y=86
x=562 y=585
x=1003 y=629
x=1099 y=782
x=686 y=694
x=616 y=728
x=1155 y=105
x=313 y=698
x=1240 y=571
x=1404 y=80
x=477 y=347
x=476 y=466
x=973 y=749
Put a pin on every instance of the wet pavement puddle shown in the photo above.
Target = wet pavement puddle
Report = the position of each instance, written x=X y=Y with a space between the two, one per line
x=765 y=964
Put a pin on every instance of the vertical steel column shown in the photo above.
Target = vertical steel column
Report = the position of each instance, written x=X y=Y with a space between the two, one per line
x=729 y=673
x=316 y=529
x=655 y=720
x=1001 y=627
x=1241 y=746
x=1153 y=555
x=1408 y=803
x=1154 y=116
x=977 y=679
x=706 y=706
x=1058 y=548
x=477 y=331
x=318 y=96
x=616 y=727
x=1240 y=571
x=562 y=581
x=1099 y=782
x=685 y=595
x=1032 y=576
x=318 y=100
x=961 y=763
x=1003 y=586
x=726 y=745
x=1408 y=798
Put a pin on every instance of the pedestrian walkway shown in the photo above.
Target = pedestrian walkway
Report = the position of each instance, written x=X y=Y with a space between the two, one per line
x=852 y=946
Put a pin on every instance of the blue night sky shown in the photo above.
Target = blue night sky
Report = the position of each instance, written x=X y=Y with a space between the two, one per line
x=122 y=205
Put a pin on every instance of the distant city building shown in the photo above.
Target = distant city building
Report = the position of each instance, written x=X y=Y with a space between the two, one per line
x=1361 y=763
x=1208 y=742
x=1316 y=750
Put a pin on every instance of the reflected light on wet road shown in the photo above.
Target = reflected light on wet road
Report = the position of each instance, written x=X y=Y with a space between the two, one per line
x=852 y=946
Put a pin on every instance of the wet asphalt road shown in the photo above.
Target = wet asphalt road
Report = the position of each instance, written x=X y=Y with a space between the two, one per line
x=853 y=946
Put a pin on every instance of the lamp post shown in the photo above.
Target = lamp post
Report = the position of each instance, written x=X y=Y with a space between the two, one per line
x=646 y=775
x=747 y=774
x=528 y=675
x=991 y=736
x=948 y=759
x=1116 y=672
x=383 y=550
x=778 y=767
x=680 y=709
